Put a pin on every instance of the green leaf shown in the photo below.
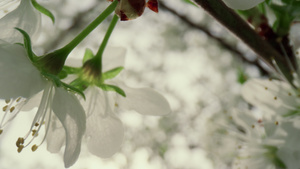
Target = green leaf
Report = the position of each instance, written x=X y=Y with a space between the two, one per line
x=108 y=87
x=112 y=73
x=27 y=44
x=87 y=55
x=43 y=10
x=74 y=89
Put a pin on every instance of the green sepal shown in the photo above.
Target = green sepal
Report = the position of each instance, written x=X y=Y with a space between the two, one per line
x=27 y=44
x=190 y=2
x=68 y=70
x=112 y=73
x=71 y=70
x=73 y=89
x=62 y=74
x=52 y=77
x=79 y=84
x=59 y=83
x=241 y=76
x=272 y=155
x=87 y=55
x=108 y=87
x=43 y=10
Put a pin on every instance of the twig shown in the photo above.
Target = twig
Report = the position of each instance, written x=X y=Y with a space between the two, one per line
x=221 y=41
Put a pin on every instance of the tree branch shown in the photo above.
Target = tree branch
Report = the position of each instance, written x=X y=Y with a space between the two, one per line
x=221 y=41
x=241 y=29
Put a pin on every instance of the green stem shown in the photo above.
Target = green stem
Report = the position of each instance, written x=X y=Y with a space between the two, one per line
x=106 y=38
x=69 y=47
x=241 y=29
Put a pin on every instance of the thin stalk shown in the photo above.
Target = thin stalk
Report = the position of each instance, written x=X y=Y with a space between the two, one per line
x=69 y=47
x=106 y=38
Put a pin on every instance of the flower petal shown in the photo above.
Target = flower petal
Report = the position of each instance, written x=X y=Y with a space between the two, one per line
x=273 y=97
x=104 y=130
x=70 y=113
x=18 y=76
x=105 y=135
x=24 y=17
x=55 y=136
x=242 y=4
x=145 y=101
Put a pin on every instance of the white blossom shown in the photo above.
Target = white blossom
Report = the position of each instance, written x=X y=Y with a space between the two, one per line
x=20 y=82
x=25 y=17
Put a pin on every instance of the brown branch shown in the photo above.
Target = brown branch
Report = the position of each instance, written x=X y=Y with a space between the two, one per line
x=220 y=41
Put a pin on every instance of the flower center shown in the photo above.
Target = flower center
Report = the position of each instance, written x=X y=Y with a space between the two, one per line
x=42 y=116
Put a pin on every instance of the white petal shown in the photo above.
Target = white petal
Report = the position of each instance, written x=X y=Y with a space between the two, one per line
x=145 y=101
x=113 y=57
x=295 y=35
x=24 y=17
x=104 y=130
x=273 y=97
x=70 y=113
x=18 y=76
x=55 y=136
x=242 y=4
x=104 y=135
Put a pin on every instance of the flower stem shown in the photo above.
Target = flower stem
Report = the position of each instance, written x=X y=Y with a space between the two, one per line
x=228 y=18
x=106 y=38
x=53 y=62
x=69 y=47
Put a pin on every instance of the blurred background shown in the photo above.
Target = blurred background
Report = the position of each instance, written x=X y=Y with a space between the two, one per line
x=180 y=52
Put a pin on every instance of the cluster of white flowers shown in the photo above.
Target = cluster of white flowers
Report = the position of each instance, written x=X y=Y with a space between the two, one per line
x=65 y=116
x=266 y=136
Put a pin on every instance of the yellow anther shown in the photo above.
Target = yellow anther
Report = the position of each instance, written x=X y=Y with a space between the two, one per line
x=275 y=98
x=18 y=99
x=1 y=131
x=276 y=122
x=20 y=141
x=34 y=147
x=116 y=105
x=266 y=88
x=12 y=109
x=7 y=101
x=290 y=94
x=253 y=126
x=5 y=108
x=36 y=124
x=20 y=148
x=34 y=133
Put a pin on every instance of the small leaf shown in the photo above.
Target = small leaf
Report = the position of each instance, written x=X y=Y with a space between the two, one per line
x=43 y=10
x=87 y=55
x=27 y=44
x=108 y=87
x=112 y=73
